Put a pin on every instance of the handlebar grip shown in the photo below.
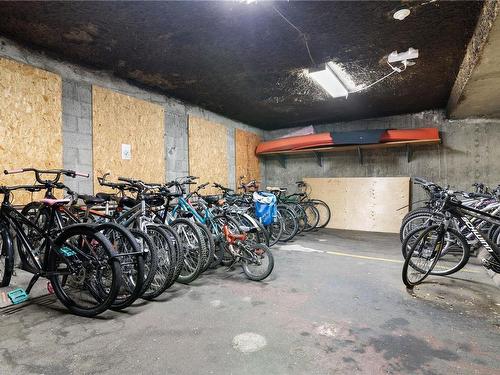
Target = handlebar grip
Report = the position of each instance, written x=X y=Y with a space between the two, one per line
x=13 y=171
x=125 y=179
x=81 y=174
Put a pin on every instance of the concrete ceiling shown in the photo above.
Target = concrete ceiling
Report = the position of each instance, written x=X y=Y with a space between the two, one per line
x=246 y=62
x=476 y=92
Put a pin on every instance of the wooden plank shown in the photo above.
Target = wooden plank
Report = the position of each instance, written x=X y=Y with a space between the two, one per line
x=364 y=203
x=247 y=163
x=208 y=158
x=30 y=122
x=420 y=142
x=123 y=120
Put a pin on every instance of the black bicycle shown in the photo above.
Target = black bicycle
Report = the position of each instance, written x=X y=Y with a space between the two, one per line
x=79 y=262
x=426 y=247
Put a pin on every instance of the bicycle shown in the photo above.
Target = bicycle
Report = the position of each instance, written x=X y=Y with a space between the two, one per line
x=79 y=262
x=428 y=244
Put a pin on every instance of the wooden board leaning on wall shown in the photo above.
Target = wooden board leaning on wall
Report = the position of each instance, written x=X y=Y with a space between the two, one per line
x=30 y=123
x=123 y=120
x=247 y=163
x=364 y=203
x=208 y=156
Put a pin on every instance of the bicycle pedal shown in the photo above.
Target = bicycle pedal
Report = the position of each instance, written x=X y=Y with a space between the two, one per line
x=17 y=296
x=66 y=251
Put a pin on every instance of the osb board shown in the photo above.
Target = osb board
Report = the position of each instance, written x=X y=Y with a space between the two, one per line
x=30 y=123
x=208 y=158
x=247 y=163
x=368 y=204
x=120 y=119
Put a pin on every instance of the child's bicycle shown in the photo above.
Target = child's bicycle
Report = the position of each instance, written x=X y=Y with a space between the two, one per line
x=256 y=259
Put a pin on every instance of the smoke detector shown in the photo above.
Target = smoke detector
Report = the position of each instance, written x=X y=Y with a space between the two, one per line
x=401 y=14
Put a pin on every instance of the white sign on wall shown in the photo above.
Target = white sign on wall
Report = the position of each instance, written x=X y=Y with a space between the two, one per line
x=126 y=152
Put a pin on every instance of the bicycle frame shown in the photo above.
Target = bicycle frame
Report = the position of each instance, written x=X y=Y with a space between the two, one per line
x=459 y=212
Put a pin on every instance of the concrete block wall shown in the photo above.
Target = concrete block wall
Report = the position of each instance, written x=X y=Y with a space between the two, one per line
x=77 y=115
x=468 y=154
x=77 y=133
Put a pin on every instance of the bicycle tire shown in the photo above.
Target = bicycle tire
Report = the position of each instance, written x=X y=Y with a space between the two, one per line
x=327 y=215
x=209 y=243
x=312 y=214
x=178 y=251
x=193 y=253
x=132 y=266
x=290 y=224
x=440 y=269
x=165 y=270
x=109 y=268
x=6 y=257
x=408 y=260
x=254 y=247
x=150 y=257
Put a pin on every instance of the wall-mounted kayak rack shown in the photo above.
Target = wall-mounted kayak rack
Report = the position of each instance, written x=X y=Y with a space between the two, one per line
x=319 y=152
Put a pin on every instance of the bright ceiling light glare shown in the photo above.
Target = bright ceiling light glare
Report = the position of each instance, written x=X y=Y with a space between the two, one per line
x=401 y=14
x=329 y=81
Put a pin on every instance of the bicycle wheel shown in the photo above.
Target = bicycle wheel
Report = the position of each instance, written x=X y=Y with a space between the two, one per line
x=423 y=255
x=290 y=223
x=275 y=229
x=194 y=249
x=417 y=220
x=131 y=263
x=312 y=216
x=165 y=270
x=258 y=261
x=179 y=252
x=209 y=243
x=255 y=230
x=85 y=272
x=454 y=254
x=6 y=257
x=301 y=215
x=324 y=212
x=224 y=255
x=150 y=252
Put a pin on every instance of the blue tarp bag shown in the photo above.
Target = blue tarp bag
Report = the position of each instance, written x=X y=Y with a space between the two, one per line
x=265 y=207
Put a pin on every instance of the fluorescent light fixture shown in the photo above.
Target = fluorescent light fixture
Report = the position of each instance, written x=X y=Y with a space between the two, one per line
x=329 y=81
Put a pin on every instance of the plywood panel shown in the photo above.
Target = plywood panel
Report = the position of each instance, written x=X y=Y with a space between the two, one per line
x=121 y=119
x=368 y=204
x=208 y=158
x=30 y=122
x=247 y=164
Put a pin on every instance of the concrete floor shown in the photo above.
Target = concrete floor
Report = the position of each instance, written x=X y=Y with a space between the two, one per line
x=341 y=309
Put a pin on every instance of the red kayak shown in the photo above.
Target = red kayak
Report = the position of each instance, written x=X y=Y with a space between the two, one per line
x=346 y=138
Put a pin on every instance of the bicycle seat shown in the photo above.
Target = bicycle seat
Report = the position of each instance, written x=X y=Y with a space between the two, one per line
x=211 y=199
x=106 y=197
x=154 y=200
x=90 y=200
x=55 y=202
x=127 y=202
x=275 y=188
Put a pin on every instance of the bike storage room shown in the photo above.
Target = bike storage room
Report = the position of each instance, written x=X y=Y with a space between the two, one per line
x=250 y=187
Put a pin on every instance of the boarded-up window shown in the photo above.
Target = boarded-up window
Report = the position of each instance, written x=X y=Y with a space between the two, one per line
x=128 y=137
x=247 y=164
x=30 y=122
x=208 y=158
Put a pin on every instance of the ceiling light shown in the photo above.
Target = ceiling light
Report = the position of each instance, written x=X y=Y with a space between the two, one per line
x=401 y=14
x=329 y=81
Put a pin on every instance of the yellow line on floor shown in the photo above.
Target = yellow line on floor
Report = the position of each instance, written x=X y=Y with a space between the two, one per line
x=383 y=259
x=363 y=257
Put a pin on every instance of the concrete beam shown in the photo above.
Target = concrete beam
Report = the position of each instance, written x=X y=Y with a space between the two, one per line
x=476 y=92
